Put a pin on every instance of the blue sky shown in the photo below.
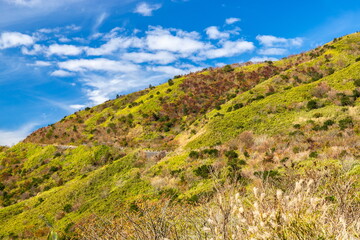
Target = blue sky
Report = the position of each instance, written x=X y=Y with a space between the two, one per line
x=57 y=57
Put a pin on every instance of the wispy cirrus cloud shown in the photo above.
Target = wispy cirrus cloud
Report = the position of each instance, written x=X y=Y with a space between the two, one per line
x=99 y=21
x=27 y=3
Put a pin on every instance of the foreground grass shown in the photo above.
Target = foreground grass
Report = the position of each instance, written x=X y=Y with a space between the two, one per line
x=312 y=201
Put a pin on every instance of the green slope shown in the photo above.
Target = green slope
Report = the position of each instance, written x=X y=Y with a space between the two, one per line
x=242 y=123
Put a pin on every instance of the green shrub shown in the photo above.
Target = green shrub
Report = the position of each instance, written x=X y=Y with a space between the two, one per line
x=134 y=207
x=329 y=122
x=203 y=171
x=345 y=123
x=170 y=82
x=357 y=82
x=194 y=154
x=237 y=106
x=211 y=152
x=296 y=149
x=317 y=115
x=228 y=68
x=67 y=208
x=356 y=93
x=313 y=155
x=267 y=174
x=316 y=76
x=231 y=154
x=330 y=198
x=346 y=101
x=53 y=169
x=242 y=162
x=317 y=128
x=49 y=133
x=312 y=104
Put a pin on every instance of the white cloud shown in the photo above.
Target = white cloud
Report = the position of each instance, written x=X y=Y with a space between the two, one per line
x=73 y=27
x=78 y=39
x=77 y=106
x=98 y=64
x=68 y=50
x=214 y=33
x=15 y=39
x=232 y=20
x=41 y=64
x=146 y=9
x=49 y=30
x=298 y=42
x=115 y=44
x=36 y=49
x=183 y=42
x=229 y=49
x=69 y=28
x=101 y=88
x=273 y=51
x=272 y=41
x=61 y=73
x=262 y=59
x=171 y=70
x=64 y=39
x=159 y=57
x=220 y=64
x=9 y=138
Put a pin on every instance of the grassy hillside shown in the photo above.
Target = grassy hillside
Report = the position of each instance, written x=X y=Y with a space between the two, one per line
x=265 y=125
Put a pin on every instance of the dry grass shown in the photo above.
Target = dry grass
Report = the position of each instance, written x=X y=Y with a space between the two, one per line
x=321 y=204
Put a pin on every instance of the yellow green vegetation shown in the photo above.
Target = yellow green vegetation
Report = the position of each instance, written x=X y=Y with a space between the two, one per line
x=183 y=158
